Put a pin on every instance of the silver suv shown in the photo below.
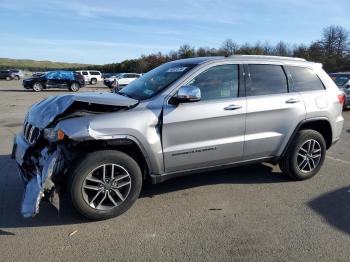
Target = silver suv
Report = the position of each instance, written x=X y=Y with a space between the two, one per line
x=183 y=117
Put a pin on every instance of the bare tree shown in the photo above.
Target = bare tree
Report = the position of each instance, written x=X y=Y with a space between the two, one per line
x=301 y=51
x=282 y=49
x=335 y=41
x=229 y=47
x=186 y=51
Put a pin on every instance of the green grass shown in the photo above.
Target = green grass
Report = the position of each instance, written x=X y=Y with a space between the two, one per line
x=33 y=65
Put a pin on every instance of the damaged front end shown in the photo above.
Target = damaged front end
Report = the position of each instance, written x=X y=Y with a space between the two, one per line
x=38 y=167
x=40 y=151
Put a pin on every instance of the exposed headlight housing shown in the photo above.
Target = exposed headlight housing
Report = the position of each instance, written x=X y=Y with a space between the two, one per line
x=54 y=135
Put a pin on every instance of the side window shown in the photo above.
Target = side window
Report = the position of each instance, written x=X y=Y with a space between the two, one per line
x=217 y=82
x=266 y=80
x=84 y=73
x=304 y=79
x=52 y=75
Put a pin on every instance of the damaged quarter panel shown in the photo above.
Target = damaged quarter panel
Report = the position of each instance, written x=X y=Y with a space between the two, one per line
x=139 y=124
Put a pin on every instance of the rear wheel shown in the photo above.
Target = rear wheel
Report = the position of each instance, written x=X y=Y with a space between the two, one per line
x=93 y=81
x=105 y=184
x=305 y=156
x=37 y=86
x=74 y=87
x=17 y=77
x=8 y=78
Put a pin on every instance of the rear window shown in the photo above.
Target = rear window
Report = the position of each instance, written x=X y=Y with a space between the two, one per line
x=266 y=80
x=304 y=79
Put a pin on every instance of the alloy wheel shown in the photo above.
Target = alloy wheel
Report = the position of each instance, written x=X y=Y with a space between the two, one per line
x=309 y=156
x=37 y=87
x=106 y=187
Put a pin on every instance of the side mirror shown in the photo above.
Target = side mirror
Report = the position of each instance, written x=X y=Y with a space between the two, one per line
x=187 y=94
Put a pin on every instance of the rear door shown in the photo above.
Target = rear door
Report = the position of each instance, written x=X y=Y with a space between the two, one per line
x=209 y=132
x=315 y=96
x=273 y=111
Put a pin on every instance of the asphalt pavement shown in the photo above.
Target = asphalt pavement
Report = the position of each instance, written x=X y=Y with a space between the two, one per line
x=249 y=213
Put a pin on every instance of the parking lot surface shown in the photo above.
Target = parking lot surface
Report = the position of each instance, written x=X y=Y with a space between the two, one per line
x=250 y=213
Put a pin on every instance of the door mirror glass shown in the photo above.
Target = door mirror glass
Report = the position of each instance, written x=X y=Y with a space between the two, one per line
x=188 y=94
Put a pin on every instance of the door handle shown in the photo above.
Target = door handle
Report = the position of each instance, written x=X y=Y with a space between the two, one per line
x=232 y=107
x=292 y=101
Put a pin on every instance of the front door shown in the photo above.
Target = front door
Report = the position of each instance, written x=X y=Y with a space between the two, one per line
x=209 y=132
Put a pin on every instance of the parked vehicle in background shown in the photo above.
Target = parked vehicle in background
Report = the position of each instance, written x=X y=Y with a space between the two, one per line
x=182 y=117
x=108 y=75
x=121 y=80
x=7 y=75
x=342 y=80
x=36 y=74
x=18 y=74
x=55 y=79
x=91 y=77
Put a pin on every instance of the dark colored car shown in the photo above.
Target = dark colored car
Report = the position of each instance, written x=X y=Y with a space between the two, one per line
x=342 y=80
x=7 y=75
x=55 y=79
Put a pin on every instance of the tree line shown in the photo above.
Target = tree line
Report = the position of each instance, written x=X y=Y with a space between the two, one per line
x=332 y=50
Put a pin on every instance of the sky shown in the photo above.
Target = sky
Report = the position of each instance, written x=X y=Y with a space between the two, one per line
x=109 y=31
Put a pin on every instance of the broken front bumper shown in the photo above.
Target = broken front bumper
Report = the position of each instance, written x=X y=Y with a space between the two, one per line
x=37 y=168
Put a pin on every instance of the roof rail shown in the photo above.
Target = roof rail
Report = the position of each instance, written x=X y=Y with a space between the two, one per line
x=269 y=57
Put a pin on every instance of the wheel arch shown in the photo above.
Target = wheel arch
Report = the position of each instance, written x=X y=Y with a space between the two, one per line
x=319 y=124
x=127 y=145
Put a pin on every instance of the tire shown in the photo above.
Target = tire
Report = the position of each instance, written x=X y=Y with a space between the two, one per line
x=91 y=167
x=17 y=78
x=74 y=87
x=300 y=162
x=8 y=78
x=37 y=87
x=93 y=81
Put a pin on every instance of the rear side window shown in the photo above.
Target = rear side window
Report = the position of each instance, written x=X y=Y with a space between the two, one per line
x=266 y=80
x=304 y=79
x=94 y=73
x=84 y=73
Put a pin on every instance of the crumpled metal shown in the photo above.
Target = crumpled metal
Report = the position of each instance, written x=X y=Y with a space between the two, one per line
x=43 y=113
x=39 y=183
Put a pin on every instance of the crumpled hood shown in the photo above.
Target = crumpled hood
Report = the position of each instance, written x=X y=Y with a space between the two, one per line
x=43 y=113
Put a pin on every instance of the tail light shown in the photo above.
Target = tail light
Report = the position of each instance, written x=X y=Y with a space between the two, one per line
x=341 y=99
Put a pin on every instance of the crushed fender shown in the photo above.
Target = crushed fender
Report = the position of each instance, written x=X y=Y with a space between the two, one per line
x=40 y=184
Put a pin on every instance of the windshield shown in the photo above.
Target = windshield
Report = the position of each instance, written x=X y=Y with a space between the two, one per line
x=340 y=80
x=155 y=80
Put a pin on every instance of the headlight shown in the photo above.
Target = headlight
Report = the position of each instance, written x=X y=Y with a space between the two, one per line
x=53 y=135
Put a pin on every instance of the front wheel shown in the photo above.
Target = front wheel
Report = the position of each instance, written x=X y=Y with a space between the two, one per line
x=105 y=184
x=305 y=156
x=8 y=78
